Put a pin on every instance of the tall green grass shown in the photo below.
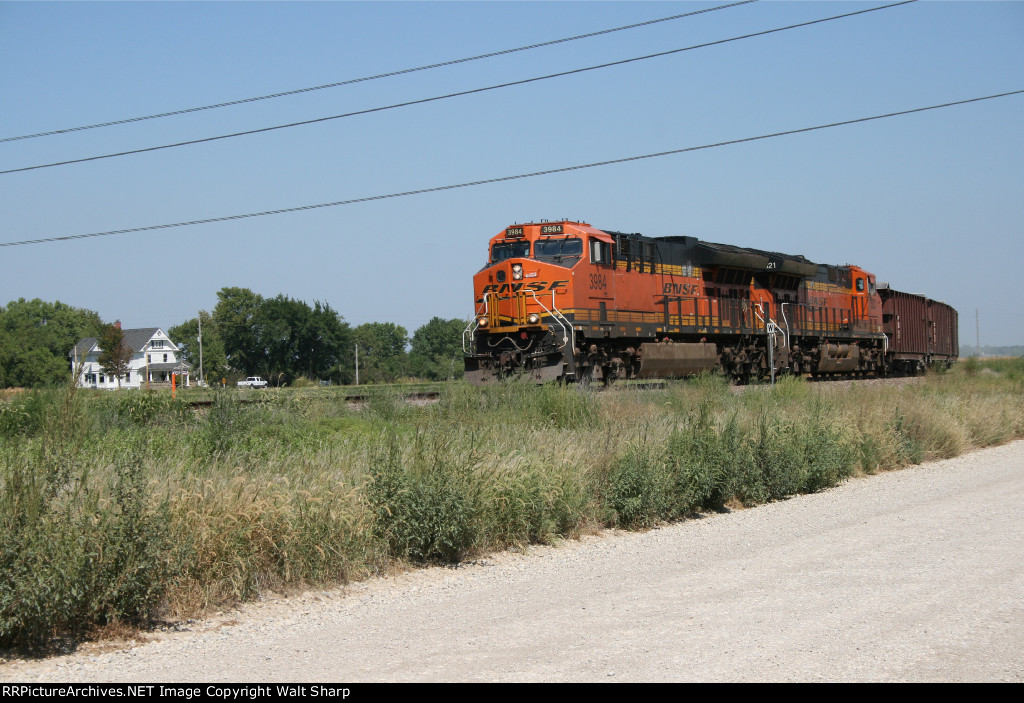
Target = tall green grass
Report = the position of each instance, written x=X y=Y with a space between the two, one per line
x=118 y=508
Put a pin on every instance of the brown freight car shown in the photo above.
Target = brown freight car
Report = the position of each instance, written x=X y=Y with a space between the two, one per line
x=920 y=331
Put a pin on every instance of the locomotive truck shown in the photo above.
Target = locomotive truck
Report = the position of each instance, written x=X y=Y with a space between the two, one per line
x=564 y=301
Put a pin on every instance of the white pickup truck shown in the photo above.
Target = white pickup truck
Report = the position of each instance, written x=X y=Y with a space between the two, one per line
x=252 y=382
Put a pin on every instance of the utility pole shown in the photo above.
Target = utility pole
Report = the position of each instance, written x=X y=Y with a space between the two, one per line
x=977 y=332
x=357 y=364
x=201 y=377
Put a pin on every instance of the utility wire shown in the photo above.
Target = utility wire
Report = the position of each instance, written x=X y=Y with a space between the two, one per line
x=458 y=94
x=502 y=179
x=389 y=74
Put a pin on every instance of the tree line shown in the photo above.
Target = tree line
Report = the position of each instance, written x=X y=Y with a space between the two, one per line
x=36 y=337
x=246 y=334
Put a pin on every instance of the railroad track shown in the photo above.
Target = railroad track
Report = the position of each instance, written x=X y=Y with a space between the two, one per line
x=432 y=396
x=411 y=396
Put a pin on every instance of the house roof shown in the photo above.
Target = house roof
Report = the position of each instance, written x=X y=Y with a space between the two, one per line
x=135 y=339
x=83 y=347
x=180 y=365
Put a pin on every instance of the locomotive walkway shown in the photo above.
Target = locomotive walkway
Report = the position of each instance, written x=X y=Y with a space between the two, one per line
x=913 y=575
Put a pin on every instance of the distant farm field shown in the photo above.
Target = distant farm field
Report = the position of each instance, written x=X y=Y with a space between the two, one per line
x=118 y=508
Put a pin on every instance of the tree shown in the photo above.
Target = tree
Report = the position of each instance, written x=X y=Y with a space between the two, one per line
x=382 y=356
x=280 y=338
x=36 y=338
x=115 y=354
x=437 y=349
x=235 y=317
x=324 y=342
x=186 y=336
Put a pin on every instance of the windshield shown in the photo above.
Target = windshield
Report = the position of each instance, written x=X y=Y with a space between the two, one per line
x=559 y=247
x=509 y=250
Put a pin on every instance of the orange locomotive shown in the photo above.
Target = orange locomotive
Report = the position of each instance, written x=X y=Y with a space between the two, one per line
x=566 y=301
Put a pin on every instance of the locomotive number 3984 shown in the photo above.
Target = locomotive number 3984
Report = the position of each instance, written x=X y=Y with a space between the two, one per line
x=598 y=281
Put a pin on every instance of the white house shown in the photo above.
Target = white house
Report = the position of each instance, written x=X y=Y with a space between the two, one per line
x=154 y=358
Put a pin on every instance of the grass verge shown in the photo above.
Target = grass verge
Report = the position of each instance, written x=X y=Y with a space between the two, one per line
x=119 y=508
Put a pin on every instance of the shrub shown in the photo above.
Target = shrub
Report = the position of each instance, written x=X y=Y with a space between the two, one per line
x=527 y=502
x=778 y=454
x=701 y=460
x=640 y=489
x=828 y=457
x=423 y=512
x=27 y=414
x=227 y=421
x=75 y=557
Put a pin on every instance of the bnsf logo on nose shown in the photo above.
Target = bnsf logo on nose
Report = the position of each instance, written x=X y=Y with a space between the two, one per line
x=535 y=286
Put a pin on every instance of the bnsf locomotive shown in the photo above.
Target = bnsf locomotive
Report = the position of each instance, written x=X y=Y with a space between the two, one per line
x=566 y=301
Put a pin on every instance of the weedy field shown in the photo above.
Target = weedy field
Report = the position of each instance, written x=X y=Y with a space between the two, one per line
x=121 y=508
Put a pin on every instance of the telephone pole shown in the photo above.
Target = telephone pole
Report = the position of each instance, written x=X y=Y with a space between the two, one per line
x=977 y=332
x=202 y=380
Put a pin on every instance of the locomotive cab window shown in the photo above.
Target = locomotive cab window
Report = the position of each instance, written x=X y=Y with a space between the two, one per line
x=572 y=246
x=509 y=250
x=860 y=285
x=600 y=252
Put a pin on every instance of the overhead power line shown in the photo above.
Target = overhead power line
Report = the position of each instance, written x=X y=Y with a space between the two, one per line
x=458 y=94
x=389 y=74
x=502 y=179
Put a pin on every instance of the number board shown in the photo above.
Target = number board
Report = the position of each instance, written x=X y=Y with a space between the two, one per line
x=551 y=229
x=514 y=232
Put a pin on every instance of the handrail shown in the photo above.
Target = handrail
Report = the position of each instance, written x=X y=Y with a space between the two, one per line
x=770 y=326
x=782 y=309
x=475 y=325
x=567 y=328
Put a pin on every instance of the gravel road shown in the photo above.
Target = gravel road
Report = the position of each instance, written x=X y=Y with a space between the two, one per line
x=914 y=575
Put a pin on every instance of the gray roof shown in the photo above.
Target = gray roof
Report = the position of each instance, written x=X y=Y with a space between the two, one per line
x=135 y=339
x=169 y=366
x=82 y=348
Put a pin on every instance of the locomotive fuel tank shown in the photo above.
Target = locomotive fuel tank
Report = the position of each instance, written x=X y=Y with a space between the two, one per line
x=660 y=360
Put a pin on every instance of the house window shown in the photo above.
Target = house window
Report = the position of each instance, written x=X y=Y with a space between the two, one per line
x=149 y=358
x=165 y=358
x=157 y=344
x=128 y=377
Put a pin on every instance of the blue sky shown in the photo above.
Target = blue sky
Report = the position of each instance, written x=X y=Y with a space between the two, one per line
x=932 y=202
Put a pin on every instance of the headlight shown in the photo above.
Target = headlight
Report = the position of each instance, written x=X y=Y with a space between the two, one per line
x=481 y=322
x=533 y=318
x=517 y=271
